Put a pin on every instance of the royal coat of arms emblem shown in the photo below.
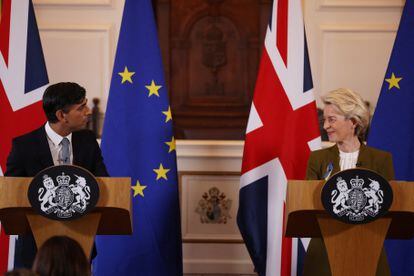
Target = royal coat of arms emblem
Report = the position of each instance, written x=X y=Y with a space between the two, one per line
x=357 y=196
x=63 y=192
x=214 y=207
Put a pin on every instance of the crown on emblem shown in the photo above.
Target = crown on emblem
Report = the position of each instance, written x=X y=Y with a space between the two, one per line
x=340 y=181
x=357 y=182
x=63 y=179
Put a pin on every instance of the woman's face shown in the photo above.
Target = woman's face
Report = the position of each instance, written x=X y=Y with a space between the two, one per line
x=339 y=128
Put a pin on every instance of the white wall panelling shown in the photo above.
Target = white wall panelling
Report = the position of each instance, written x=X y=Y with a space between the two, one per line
x=350 y=43
x=213 y=156
x=356 y=56
x=211 y=248
x=81 y=54
x=361 y=3
x=79 y=39
x=219 y=262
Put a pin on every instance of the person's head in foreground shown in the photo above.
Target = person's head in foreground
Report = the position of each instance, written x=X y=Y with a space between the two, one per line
x=61 y=256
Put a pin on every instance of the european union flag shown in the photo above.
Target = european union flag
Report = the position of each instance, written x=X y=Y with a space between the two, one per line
x=138 y=142
x=393 y=126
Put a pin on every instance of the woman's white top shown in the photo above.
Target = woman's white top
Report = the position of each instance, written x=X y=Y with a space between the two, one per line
x=348 y=160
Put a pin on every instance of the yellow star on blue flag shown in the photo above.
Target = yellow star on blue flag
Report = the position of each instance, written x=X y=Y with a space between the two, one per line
x=393 y=81
x=153 y=89
x=126 y=75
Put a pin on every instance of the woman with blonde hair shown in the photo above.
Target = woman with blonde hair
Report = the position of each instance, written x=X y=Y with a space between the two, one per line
x=346 y=118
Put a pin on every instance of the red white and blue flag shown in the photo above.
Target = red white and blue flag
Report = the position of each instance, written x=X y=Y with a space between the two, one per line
x=23 y=79
x=281 y=131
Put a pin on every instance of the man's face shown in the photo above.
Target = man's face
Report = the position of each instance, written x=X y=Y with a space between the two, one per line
x=77 y=116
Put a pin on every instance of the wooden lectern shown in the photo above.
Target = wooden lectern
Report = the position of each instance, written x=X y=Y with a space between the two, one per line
x=111 y=216
x=352 y=249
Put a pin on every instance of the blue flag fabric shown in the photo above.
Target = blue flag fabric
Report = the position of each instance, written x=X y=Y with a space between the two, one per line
x=392 y=126
x=138 y=142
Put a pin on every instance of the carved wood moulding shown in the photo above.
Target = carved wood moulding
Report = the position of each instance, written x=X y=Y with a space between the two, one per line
x=212 y=50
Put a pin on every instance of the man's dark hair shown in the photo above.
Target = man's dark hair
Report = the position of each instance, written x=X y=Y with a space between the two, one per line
x=61 y=96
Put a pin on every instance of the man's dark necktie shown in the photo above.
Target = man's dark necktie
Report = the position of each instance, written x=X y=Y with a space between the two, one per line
x=65 y=152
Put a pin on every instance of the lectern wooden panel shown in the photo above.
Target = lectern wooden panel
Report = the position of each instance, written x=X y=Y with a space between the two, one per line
x=352 y=249
x=82 y=229
x=111 y=216
x=303 y=205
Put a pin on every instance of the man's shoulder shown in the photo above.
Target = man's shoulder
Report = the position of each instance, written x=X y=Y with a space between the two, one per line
x=84 y=134
x=30 y=136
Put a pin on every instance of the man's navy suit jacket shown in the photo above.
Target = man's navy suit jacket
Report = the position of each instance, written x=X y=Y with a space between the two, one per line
x=30 y=154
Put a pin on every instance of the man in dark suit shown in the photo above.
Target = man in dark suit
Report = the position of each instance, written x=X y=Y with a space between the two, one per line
x=62 y=140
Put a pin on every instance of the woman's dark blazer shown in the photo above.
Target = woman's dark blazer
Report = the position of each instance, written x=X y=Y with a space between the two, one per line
x=316 y=260
x=369 y=158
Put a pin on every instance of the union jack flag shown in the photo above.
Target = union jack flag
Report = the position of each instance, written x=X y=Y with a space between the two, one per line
x=281 y=131
x=23 y=79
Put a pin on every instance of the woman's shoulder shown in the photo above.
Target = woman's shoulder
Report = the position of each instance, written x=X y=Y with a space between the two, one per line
x=376 y=152
x=325 y=151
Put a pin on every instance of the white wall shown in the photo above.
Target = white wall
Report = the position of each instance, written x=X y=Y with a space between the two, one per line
x=79 y=40
x=350 y=42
